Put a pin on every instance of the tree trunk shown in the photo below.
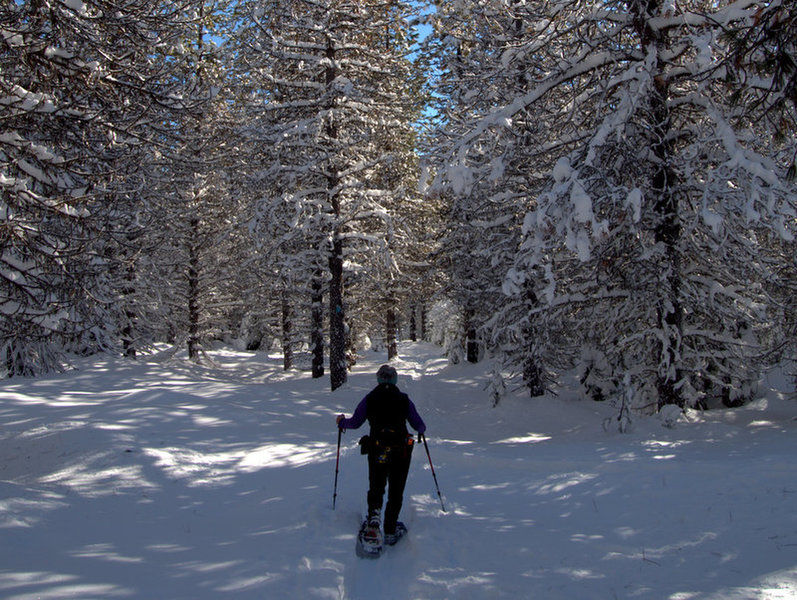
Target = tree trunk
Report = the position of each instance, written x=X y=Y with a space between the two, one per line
x=413 y=323
x=287 y=334
x=390 y=333
x=533 y=373
x=670 y=305
x=317 y=331
x=668 y=233
x=667 y=228
x=193 y=291
x=128 y=331
x=471 y=339
x=337 y=326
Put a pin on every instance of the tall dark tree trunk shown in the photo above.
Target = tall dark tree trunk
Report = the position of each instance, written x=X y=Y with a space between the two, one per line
x=390 y=333
x=195 y=245
x=533 y=376
x=670 y=311
x=533 y=373
x=287 y=334
x=413 y=323
x=533 y=370
x=471 y=339
x=472 y=353
x=128 y=333
x=337 y=323
x=317 y=326
x=667 y=228
x=193 y=291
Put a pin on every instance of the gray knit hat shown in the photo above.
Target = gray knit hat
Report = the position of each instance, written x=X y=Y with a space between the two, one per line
x=386 y=374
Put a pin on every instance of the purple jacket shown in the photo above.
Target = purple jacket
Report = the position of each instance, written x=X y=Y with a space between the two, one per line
x=360 y=414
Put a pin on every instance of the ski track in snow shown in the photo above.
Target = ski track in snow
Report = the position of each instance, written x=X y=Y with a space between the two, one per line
x=159 y=479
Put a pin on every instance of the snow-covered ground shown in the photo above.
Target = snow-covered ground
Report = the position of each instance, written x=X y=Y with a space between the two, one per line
x=162 y=480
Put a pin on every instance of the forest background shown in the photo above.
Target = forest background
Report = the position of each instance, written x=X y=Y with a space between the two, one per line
x=602 y=186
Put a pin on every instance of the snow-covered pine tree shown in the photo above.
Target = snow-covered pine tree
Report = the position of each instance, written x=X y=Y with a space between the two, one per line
x=290 y=251
x=84 y=91
x=763 y=64
x=490 y=183
x=664 y=197
x=194 y=243
x=393 y=268
x=323 y=88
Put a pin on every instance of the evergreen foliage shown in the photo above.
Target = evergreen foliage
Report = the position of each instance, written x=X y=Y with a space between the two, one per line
x=651 y=200
x=87 y=91
x=560 y=186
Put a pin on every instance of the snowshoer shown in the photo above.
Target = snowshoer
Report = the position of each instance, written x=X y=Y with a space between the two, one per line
x=389 y=449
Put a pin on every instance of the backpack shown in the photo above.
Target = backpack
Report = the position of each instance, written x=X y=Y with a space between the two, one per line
x=387 y=412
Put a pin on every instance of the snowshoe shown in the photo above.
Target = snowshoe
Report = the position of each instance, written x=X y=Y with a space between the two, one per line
x=369 y=540
x=392 y=538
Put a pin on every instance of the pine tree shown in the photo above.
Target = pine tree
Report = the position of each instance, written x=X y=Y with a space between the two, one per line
x=84 y=95
x=489 y=184
x=322 y=89
x=762 y=65
x=660 y=197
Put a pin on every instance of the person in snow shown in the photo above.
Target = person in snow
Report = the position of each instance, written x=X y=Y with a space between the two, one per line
x=387 y=410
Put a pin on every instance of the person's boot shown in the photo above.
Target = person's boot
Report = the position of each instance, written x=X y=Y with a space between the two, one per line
x=372 y=530
x=392 y=537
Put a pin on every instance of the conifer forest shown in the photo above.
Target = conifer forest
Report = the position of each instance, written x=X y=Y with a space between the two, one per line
x=605 y=188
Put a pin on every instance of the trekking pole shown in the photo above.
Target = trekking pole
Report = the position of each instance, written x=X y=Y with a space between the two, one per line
x=429 y=456
x=337 y=469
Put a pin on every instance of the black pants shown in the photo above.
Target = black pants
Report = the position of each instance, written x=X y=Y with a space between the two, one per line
x=391 y=469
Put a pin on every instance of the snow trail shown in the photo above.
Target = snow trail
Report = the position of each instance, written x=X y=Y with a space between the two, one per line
x=162 y=479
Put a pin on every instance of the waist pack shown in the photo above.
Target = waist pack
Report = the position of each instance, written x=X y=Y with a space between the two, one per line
x=369 y=444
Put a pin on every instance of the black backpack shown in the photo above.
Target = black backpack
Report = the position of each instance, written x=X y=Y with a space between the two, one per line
x=387 y=412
